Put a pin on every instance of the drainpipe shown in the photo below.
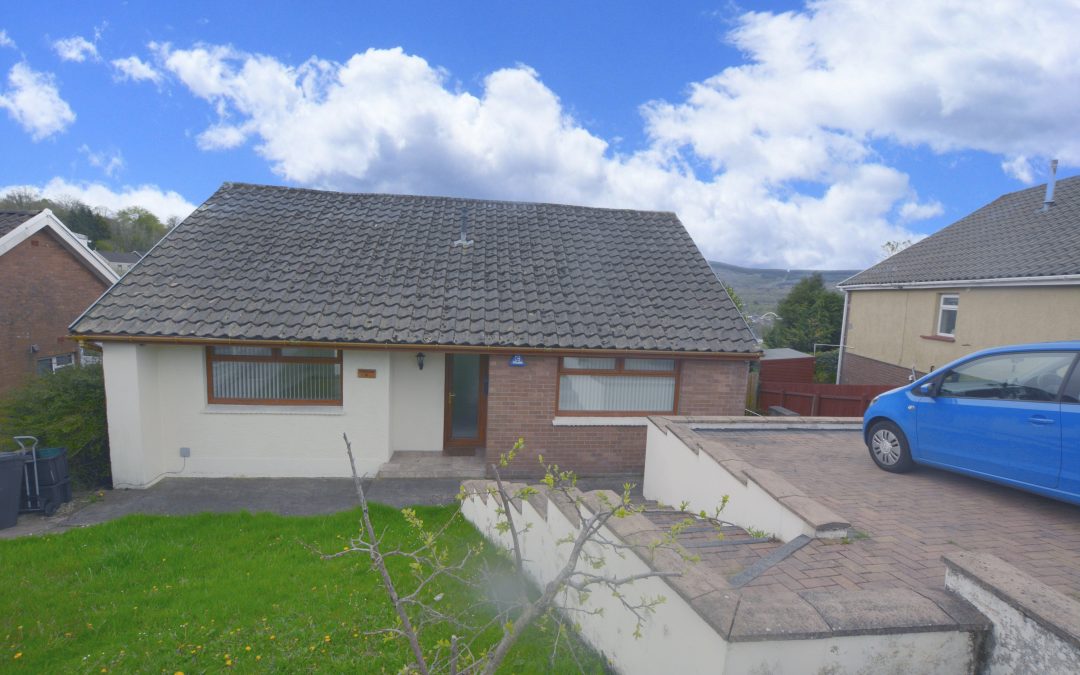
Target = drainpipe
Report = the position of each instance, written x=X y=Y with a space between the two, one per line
x=1049 y=200
x=843 y=337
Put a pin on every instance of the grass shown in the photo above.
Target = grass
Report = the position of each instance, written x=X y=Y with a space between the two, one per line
x=216 y=592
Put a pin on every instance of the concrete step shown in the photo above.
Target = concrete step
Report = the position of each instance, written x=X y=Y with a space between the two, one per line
x=410 y=464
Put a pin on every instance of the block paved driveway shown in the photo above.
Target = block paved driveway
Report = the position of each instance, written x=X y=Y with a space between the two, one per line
x=910 y=519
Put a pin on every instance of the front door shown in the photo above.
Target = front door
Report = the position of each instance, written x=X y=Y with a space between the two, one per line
x=465 y=416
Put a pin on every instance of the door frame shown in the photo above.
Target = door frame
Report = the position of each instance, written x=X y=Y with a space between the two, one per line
x=481 y=407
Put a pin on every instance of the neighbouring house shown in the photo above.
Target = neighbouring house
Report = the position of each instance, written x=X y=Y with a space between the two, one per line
x=48 y=275
x=272 y=320
x=121 y=261
x=1007 y=273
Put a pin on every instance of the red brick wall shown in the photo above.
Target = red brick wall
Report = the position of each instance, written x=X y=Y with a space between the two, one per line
x=862 y=370
x=521 y=403
x=43 y=288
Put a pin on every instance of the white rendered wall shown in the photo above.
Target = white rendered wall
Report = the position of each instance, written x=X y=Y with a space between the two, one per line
x=674 y=473
x=157 y=404
x=675 y=639
x=416 y=401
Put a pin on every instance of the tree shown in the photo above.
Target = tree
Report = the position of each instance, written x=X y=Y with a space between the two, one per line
x=891 y=248
x=82 y=219
x=415 y=595
x=134 y=229
x=809 y=313
x=735 y=298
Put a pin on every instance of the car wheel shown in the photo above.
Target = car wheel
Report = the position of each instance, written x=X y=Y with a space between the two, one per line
x=889 y=447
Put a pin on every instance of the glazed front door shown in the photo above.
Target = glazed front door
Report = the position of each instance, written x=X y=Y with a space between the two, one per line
x=465 y=416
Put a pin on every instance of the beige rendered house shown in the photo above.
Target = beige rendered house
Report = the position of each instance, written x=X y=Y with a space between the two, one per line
x=1008 y=273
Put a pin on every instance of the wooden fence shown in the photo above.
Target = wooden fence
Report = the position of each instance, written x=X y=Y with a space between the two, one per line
x=819 y=400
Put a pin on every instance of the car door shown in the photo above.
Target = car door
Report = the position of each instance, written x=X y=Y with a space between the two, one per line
x=1070 y=434
x=999 y=415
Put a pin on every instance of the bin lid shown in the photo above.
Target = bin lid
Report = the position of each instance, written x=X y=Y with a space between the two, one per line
x=49 y=453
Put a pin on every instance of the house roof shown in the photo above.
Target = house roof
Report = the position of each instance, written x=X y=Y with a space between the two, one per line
x=783 y=354
x=18 y=226
x=1010 y=238
x=272 y=263
x=9 y=220
x=121 y=256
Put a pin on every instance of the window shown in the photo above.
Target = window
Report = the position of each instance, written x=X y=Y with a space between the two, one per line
x=608 y=385
x=273 y=375
x=947 y=310
x=1031 y=376
x=51 y=364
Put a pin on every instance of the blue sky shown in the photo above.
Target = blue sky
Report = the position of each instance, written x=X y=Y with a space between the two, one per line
x=790 y=136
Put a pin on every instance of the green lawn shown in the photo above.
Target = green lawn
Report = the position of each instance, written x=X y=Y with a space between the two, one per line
x=214 y=592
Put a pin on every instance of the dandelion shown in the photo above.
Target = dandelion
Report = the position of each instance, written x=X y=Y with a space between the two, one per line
x=326 y=639
x=247 y=648
x=273 y=637
x=258 y=658
x=18 y=655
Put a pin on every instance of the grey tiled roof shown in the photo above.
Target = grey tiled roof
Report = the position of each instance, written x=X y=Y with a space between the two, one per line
x=1008 y=238
x=9 y=220
x=121 y=256
x=259 y=262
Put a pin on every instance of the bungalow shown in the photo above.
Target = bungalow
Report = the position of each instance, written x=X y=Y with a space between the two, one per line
x=1007 y=273
x=273 y=319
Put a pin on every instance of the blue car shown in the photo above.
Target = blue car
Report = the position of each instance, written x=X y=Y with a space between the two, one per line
x=1009 y=415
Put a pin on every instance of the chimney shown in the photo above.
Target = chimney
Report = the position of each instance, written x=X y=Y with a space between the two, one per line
x=1049 y=201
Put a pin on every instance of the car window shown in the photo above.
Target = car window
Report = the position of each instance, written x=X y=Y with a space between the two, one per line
x=1024 y=376
x=1071 y=394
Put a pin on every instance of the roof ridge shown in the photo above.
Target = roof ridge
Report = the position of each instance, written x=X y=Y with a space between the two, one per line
x=228 y=185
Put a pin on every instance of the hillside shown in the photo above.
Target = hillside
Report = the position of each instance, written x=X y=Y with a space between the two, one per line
x=761 y=289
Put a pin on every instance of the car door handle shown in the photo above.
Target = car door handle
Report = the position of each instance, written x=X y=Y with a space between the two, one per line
x=1039 y=419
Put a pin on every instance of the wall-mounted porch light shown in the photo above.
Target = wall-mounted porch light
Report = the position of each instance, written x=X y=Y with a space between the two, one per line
x=420 y=360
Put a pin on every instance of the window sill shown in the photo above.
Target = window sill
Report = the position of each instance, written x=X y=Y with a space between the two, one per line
x=599 y=421
x=939 y=338
x=227 y=409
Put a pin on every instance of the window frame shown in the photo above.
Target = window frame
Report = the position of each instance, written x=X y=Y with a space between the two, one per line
x=941 y=311
x=53 y=367
x=619 y=371
x=274 y=357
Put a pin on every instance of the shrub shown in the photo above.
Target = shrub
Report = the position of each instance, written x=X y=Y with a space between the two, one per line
x=825 y=366
x=65 y=409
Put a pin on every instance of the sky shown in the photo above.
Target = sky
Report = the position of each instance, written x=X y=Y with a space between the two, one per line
x=783 y=134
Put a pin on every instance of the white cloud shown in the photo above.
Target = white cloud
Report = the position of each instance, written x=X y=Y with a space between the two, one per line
x=6 y=41
x=109 y=161
x=162 y=203
x=776 y=161
x=33 y=100
x=1020 y=168
x=135 y=69
x=76 y=48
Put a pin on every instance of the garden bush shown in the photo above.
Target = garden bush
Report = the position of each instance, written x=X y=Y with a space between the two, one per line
x=63 y=409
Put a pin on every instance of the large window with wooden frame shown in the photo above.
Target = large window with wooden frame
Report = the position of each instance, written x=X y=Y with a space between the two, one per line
x=617 y=386
x=273 y=375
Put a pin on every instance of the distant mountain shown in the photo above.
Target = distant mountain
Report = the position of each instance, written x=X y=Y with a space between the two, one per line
x=762 y=289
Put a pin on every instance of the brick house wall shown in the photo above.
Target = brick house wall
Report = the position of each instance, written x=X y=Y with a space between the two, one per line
x=862 y=370
x=45 y=287
x=521 y=403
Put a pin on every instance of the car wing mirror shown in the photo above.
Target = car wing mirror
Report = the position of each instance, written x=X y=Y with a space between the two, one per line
x=926 y=389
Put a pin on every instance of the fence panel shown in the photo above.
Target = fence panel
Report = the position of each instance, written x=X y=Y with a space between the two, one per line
x=819 y=400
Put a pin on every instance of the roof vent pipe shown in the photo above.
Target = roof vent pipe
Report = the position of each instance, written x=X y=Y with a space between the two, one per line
x=463 y=236
x=1049 y=201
